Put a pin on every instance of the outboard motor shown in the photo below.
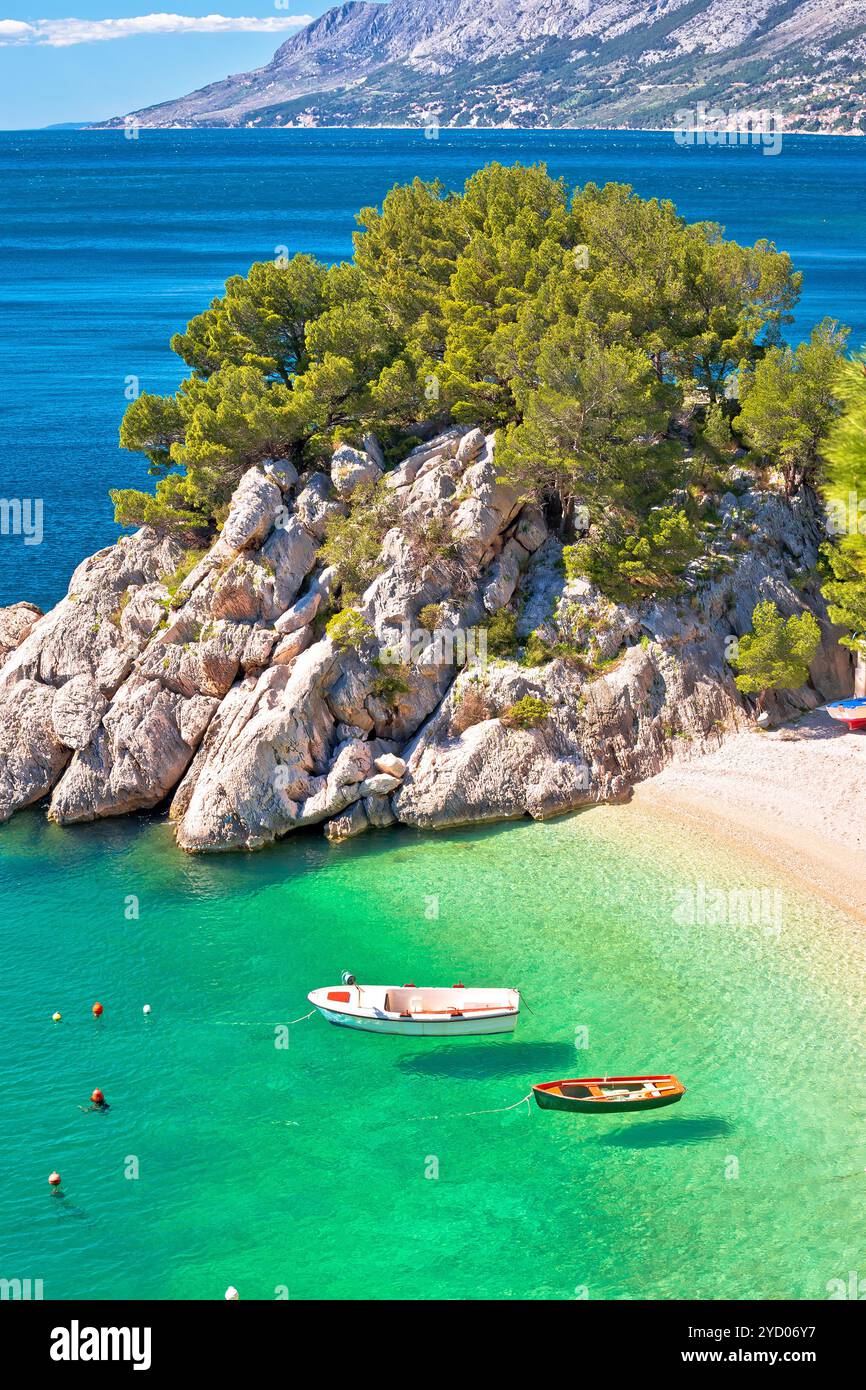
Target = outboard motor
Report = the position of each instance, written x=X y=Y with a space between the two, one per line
x=347 y=978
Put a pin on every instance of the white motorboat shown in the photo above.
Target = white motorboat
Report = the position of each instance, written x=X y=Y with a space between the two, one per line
x=417 y=1011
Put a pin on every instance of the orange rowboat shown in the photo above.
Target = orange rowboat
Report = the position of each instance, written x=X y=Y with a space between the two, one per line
x=600 y=1095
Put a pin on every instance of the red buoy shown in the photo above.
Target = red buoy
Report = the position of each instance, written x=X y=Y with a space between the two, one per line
x=54 y=1179
x=97 y=1010
x=97 y=1097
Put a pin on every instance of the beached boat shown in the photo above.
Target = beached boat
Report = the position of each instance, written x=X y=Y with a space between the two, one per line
x=850 y=712
x=418 y=1012
x=602 y=1094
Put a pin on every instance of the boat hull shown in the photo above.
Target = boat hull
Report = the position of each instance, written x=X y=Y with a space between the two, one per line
x=546 y=1101
x=424 y=1028
x=850 y=712
x=411 y=1011
x=597 y=1095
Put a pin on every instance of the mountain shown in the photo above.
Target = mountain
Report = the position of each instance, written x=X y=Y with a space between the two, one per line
x=548 y=63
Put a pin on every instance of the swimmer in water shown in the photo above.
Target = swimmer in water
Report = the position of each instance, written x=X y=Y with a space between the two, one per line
x=98 y=1102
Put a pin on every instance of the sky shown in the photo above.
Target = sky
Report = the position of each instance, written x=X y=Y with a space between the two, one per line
x=85 y=60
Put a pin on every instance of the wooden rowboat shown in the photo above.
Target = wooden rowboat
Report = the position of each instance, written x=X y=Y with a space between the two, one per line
x=597 y=1095
x=418 y=1012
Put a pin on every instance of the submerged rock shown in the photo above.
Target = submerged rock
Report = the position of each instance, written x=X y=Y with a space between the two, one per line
x=346 y=827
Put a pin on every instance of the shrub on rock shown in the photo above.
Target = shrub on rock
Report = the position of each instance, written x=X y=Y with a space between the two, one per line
x=348 y=629
x=527 y=713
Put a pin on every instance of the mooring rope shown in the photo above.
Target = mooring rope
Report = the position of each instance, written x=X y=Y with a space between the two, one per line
x=262 y=1023
x=497 y=1110
x=417 y=1119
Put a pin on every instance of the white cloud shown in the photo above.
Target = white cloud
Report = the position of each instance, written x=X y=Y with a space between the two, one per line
x=62 y=33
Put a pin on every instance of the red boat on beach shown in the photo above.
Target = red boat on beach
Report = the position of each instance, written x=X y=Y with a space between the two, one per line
x=850 y=712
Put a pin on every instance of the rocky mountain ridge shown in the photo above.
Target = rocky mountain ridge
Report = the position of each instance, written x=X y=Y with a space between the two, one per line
x=212 y=684
x=548 y=63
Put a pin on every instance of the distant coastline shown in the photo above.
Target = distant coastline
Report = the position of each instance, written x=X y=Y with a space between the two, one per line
x=473 y=130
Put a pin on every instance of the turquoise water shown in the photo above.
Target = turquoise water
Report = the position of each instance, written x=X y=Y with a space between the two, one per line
x=303 y=1169
x=108 y=246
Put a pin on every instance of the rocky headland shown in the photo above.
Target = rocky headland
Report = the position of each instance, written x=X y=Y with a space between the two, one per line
x=213 y=684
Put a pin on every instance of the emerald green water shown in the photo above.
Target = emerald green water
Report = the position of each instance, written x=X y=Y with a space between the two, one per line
x=303 y=1169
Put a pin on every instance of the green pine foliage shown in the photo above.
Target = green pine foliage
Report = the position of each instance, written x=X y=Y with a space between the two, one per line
x=790 y=399
x=648 y=561
x=777 y=653
x=844 y=453
x=573 y=322
x=353 y=539
x=529 y=712
x=391 y=682
x=717 y=430
x=348 y=629
x=845 y=593
x=502 y=634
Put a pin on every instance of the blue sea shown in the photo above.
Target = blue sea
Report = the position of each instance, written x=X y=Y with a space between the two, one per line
x=110 y=245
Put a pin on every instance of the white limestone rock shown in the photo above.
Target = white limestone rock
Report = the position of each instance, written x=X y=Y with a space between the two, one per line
x=351 y=467
x=81 y=636
x=379 y=812
x=504 y=574
x=379 y=785
x=390 y=763
x=373 y=450
x=315 y=503
x=77 y=709
x=253 y=510
x=16 y=623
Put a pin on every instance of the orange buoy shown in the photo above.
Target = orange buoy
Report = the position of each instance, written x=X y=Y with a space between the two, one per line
x=54 y=1179
x=97 y=1010
x=97 y=1097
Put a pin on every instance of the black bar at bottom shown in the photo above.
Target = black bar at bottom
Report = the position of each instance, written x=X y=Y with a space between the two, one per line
x=146 y=1338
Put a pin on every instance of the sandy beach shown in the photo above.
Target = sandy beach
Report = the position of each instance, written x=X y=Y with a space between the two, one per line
x=795 y=796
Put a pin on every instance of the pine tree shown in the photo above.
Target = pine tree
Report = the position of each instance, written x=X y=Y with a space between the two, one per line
x=790 y=400
x=777 y=653
x=575 y=324
x=846 y=599
x=844 y=454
